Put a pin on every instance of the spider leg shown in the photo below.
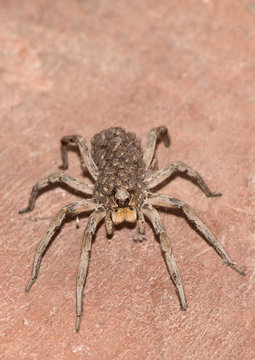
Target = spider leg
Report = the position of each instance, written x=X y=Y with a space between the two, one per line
x=73 y=209
x=167 y=201
x=153 y=136
x=84 y=151
x=108 y=223
x=64 y=178
x=93 y=221
x=141 y=221
x=178 y=167
x=154 y=218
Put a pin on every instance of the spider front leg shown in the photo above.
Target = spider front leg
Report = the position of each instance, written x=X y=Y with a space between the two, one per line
x=73 y=209
x=175 y=168
x=153 y=136
x=141 y=221
x=154 y=218
x=84 y=151
x=90 y=230
x=167 y=201
x=108 y=223
x=64 y=178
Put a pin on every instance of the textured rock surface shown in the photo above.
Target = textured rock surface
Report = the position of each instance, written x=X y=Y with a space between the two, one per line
x=82 y=66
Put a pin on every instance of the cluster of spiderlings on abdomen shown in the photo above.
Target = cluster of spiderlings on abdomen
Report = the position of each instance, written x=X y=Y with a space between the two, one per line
x=118 y=156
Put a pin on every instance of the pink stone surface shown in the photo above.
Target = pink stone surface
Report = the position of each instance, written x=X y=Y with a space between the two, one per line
x=71 y=67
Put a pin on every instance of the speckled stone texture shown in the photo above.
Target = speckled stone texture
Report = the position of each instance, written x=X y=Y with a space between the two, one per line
x=78 y=67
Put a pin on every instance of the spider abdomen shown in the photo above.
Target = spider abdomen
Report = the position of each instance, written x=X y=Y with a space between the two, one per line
x=119 y=158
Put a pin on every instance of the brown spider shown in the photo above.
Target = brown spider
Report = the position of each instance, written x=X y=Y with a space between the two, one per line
x=121 y=193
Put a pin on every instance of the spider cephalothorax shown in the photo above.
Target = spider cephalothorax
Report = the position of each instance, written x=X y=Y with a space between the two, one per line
x=121 y=193
x=122 y=206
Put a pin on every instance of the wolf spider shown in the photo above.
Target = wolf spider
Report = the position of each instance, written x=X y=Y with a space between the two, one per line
x=121 y=193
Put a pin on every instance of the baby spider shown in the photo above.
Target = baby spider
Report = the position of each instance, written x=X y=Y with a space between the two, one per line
x=121 y=193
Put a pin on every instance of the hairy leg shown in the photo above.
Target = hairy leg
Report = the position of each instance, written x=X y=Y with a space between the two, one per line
x=73 y=209
x=141 y=221
x=167 y=201
x=153 y=136
x=93 y=221
x=153 y=216
x=84 y=151
x=109 y=223
x=176 y=168
x=64 y=178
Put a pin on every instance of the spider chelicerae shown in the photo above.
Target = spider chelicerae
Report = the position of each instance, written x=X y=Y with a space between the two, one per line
x=121 y=193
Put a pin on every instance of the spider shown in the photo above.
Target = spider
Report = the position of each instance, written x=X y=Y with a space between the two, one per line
x=121 y=193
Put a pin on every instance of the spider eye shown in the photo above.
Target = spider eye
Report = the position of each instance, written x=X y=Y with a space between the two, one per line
x=126 y=201
x=118 y=202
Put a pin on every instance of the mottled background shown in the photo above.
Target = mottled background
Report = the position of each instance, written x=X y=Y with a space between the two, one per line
x=72 y=66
